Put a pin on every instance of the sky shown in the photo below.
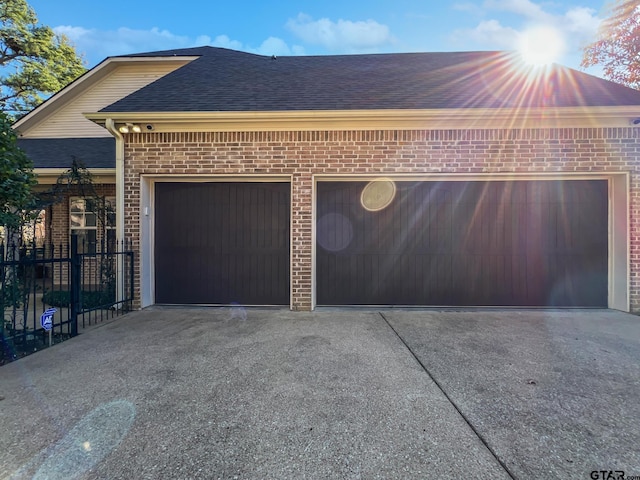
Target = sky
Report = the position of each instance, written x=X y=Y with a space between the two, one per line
x=554 y=30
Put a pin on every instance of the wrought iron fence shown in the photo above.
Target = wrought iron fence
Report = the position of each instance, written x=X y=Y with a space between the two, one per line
x=48 y=293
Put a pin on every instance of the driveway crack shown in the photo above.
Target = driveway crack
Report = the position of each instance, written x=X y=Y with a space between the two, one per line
x=450 y=400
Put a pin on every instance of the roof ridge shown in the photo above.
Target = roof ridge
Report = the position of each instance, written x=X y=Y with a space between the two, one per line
x=185 y=52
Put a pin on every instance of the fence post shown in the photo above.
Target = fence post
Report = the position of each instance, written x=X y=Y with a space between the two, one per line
x=75 y=281
x=119 y=275
x=3 y=285
x=131 y=272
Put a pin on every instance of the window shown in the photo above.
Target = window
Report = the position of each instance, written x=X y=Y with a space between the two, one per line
x=93 y=221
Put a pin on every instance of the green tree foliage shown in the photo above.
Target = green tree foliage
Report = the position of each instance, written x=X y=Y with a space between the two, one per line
x=617 y=48
x=34 y=61
x=16 y=178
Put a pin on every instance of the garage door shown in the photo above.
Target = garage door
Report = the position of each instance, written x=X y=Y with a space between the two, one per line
x=222 y=243
x=522 y=243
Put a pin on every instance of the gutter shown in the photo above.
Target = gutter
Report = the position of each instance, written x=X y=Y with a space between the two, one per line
x=383 y=119
x=110 y=126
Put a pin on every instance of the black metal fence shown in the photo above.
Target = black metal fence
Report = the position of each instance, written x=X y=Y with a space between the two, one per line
x=49 y=293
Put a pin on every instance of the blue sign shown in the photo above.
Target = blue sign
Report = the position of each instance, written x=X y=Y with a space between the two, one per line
x=46 y=319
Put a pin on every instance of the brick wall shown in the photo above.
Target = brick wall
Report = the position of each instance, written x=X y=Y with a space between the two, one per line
x=58 y=230
x=302 y=154
x=58 y=222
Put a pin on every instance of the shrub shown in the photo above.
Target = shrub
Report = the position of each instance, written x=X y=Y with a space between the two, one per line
x=88 y=298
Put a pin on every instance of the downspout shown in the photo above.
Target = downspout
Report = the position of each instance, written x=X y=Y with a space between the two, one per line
x=111 y=127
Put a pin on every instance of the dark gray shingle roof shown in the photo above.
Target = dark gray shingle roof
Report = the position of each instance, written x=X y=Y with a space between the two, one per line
x=60 y=152
x=228 y=80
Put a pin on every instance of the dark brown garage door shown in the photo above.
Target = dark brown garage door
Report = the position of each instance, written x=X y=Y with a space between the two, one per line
x=524 y=243
x=222 y=243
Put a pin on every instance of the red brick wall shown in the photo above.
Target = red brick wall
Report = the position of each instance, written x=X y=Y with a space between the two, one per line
x=302 y=154
x=58 y=232
x=58 y=222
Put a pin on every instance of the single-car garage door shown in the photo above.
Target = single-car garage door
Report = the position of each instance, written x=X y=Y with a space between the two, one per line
x=497 y=243
x=222 y=243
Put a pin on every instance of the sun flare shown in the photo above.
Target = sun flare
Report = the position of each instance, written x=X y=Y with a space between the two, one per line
x=541 y=45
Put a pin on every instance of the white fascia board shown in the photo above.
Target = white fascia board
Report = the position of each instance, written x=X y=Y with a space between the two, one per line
x=433 y=119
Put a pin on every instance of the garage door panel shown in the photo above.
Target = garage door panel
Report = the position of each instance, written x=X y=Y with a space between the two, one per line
x=525 y=243
x=222 y=243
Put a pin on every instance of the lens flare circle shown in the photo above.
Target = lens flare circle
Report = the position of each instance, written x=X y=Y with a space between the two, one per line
x=334 y=232
x=88 y=442
x=378 y=194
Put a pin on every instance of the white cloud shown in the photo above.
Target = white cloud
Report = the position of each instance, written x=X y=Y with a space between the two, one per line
x=574 y=26
x=96 y=45
x=298 y=50
x=525 y=8
x=343 y=35
x=582 y=21
x=271 y=46
x=221 y=41
x=467 y=8
x=274 y=46
x=490 y=33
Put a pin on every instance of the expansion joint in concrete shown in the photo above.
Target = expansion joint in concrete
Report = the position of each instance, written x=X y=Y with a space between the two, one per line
x=450 y=400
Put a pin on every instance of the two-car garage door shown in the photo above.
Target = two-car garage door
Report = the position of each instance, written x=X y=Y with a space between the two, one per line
x=457 y=243
x=499 y=243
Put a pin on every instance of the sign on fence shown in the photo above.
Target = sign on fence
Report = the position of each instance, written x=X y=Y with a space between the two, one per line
x=46 y=319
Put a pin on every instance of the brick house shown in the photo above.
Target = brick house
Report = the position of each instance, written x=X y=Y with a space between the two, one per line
x=449 y=179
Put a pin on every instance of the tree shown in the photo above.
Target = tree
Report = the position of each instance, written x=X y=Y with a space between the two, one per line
x=16 y=179
x=34 y=61
x=618 y=47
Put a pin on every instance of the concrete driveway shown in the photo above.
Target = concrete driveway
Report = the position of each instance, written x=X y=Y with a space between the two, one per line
x=235 y=393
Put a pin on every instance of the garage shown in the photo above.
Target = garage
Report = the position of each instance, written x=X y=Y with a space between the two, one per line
x=222 y=243
x=538 y=243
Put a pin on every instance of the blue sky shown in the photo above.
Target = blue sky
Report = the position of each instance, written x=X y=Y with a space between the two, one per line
x=305 y=27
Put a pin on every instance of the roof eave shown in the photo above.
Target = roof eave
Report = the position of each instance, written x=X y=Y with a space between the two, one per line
x=440 y=119
x=49 y=176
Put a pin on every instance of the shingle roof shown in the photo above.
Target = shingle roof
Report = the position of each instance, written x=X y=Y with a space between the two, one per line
x=228 y=80
x=60 y=152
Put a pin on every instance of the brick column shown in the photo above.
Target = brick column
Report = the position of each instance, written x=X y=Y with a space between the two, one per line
x=634 y=241
x=301 y=241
